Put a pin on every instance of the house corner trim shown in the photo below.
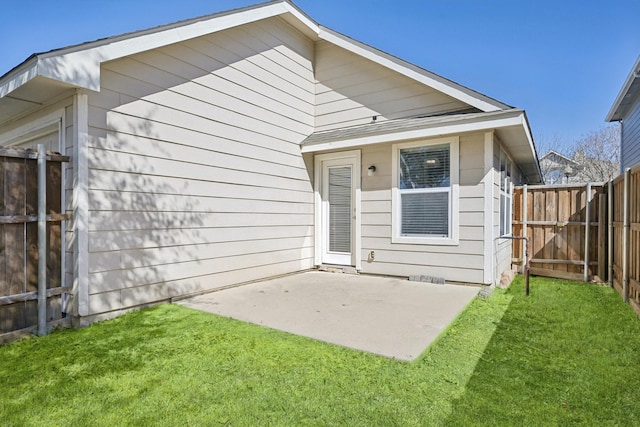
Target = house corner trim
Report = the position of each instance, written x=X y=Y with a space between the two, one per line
x=489 y=240
x=81 y=202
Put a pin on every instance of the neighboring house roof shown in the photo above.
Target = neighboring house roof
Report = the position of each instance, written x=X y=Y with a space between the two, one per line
x=558 y=158
x=45 y=76
x=627 y=96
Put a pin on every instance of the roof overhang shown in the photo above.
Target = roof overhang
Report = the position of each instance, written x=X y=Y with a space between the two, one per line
x=628 y=95
x=79 y=66
x=511 y=127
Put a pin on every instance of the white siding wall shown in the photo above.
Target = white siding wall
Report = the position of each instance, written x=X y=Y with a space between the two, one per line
x=350 y=90
x=196 y=178
x=463 y=262
x=630 y=148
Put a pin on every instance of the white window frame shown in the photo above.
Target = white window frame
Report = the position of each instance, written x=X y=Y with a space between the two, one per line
x=506 y=215
x=506 y=194
x=454 y=194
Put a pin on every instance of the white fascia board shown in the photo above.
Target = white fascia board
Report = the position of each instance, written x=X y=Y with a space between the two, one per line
x=387 y=61
x=612 y=117
x=308 y=24
x=441 y=130
x=80 y=65
x=532 y=146
x=19 y=76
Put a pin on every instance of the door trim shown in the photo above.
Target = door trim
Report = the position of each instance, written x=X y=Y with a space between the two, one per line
x=356 y=244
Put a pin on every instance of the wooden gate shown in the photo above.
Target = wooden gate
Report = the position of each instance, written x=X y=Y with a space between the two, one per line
x=566 y=230
x=19 y=250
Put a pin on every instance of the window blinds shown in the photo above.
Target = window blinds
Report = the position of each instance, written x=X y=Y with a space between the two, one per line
x=340 y=209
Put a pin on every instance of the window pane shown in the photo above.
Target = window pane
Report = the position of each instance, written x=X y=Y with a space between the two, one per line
x=425 y=167
x=425 y=214
x=340 y=209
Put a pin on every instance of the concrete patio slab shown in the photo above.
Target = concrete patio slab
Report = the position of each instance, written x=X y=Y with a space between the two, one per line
x=387 y=316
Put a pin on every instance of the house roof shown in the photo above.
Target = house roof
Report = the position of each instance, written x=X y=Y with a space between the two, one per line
x=552 y=155
x=629 y=93
x=511 y=126
x=45 y=75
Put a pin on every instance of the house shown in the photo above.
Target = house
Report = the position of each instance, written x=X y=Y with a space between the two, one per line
x=558 y=168
x=626 y=110
x=254 y=143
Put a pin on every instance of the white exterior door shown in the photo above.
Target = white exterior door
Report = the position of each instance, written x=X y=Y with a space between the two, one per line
x=339 y=184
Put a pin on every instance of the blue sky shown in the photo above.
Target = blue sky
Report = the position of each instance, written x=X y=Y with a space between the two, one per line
x=563 y=61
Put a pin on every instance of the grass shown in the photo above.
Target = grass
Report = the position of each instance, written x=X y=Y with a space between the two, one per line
x=568 y=354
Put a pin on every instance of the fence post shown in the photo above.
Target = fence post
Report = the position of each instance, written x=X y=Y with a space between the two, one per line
x=524 y=223
x=42 y=240
x=625 y=237
x=586 y=233
x=610 y=231
x=602 y=233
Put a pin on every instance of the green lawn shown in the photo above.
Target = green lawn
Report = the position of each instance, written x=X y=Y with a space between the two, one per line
x=568 y=354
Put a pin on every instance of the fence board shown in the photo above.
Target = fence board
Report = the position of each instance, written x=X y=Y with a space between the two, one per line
x=556 y=220
x=19 y=242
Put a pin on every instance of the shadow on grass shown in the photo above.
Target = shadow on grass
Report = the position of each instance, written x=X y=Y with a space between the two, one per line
x=173 y=366
x=564 y=355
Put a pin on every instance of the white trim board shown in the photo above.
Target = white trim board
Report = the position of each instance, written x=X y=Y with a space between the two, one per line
x=34 y=129
x=80 y=202
x=489 y=239
x=454 y=195
x=317 y=191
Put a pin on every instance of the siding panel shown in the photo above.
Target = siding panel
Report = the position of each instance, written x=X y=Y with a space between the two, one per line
x=139 y=239
x=196 y=178
x=630 y=152
x=156 y=292
x=350 y=90
x=460 y=263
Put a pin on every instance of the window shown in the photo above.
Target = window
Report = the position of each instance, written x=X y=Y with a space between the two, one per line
x=506 y=194
x=425 y=192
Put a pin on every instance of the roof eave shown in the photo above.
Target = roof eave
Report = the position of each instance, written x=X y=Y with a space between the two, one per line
x=614 y=113
x=469 y=96
x=19 y=75
x=79 y=65
x=514 y=119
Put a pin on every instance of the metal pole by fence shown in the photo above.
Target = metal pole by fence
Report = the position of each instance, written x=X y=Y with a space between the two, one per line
x=524 y=223
x=42 y=240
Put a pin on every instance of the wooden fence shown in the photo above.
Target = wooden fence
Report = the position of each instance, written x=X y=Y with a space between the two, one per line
x=624 y=235
x=20 y=243
x=566 y=227
x=583 y=232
